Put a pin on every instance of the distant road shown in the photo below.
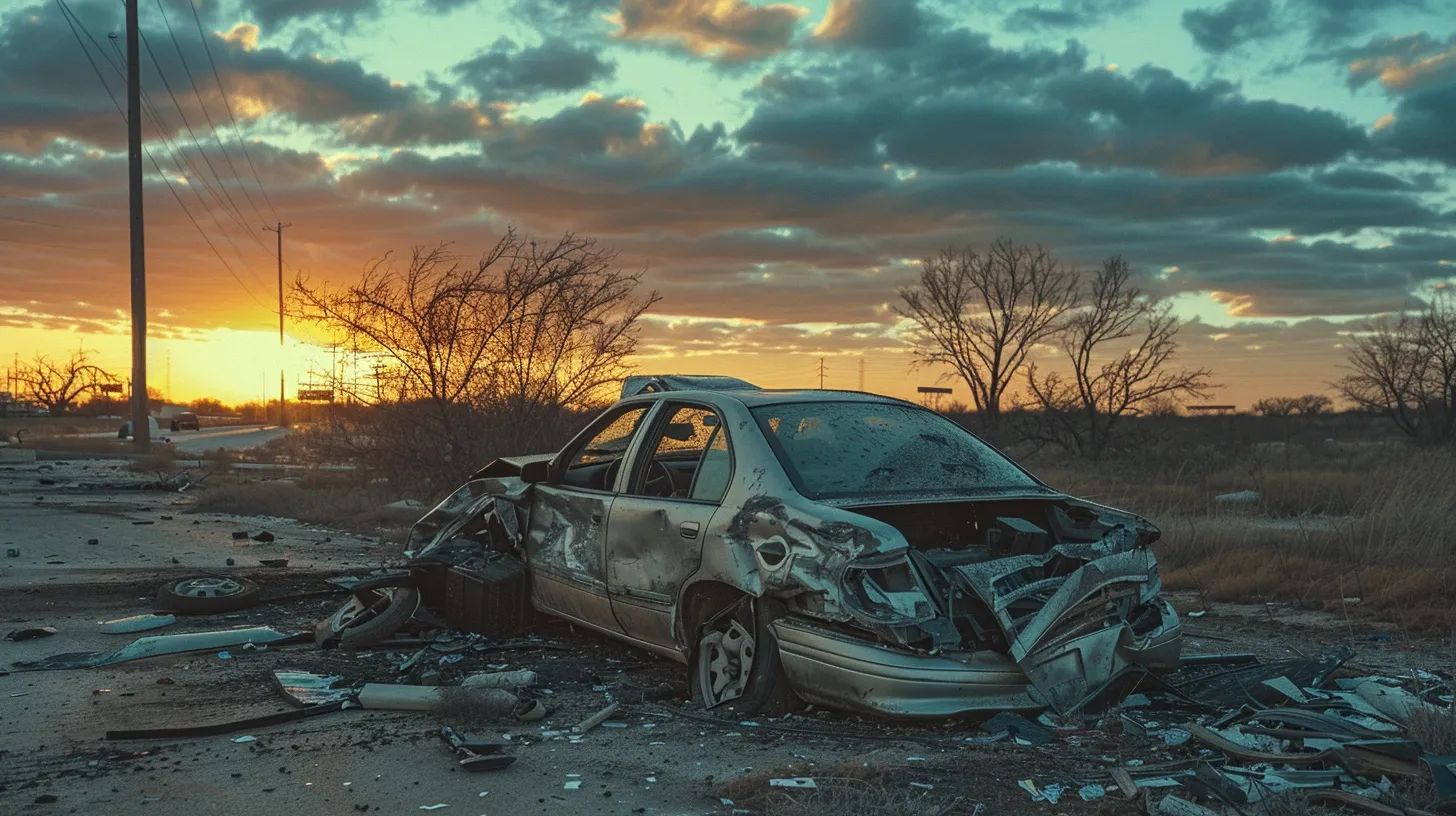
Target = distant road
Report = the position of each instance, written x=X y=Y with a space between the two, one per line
x=232 y=437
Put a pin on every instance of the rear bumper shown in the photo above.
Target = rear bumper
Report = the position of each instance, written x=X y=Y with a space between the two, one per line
x=837 y=670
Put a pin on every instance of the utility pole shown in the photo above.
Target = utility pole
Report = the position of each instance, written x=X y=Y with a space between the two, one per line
x=861 y=372
x=282 y=400
x=821 y=373
x=141 y=434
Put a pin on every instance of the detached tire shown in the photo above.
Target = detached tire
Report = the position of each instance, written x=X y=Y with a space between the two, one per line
x=737 y=642
x=373 y=616
x=208 y=595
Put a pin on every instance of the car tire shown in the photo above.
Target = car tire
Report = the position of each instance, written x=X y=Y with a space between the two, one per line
x=371 y=617
x=766 y=689
x=208 y=595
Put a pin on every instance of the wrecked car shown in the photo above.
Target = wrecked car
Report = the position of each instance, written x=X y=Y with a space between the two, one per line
x=841 y=548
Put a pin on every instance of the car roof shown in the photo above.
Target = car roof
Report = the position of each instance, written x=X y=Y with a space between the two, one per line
x=756 y=397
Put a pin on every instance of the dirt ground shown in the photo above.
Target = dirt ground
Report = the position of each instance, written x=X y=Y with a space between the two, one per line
x=657 y=757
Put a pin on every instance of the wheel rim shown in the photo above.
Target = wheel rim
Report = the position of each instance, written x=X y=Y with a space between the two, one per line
x=725 y=659
x=356 y=611
x=209 y=588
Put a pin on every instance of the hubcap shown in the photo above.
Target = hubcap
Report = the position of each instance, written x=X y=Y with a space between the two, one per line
x=209 y=587
x=724 y=662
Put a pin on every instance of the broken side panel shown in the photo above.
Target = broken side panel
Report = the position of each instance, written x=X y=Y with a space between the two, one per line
x=565 y=545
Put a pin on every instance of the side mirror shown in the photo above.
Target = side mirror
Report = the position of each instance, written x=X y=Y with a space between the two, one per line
x=536 y=472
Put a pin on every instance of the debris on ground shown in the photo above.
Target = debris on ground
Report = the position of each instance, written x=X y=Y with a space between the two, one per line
x=157 y=645
x=136 y=623
x=31 y=634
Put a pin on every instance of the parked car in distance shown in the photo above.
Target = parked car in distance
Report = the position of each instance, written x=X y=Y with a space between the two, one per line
x=185 y=421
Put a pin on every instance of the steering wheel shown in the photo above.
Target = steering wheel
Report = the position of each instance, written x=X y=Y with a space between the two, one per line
x=659 y=479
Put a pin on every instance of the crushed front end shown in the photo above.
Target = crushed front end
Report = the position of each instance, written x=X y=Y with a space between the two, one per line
x=1014 y=603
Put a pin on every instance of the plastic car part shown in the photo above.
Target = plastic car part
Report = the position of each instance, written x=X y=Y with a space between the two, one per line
x=209 y=594
x=158 y=645
x=493 y=600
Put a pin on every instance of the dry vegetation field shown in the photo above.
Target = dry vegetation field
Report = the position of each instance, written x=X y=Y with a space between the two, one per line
x=1358 y=523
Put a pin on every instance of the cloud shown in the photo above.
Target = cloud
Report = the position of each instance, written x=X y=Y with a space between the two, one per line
x=725 y=30
x=1068 y=14
x=509 y=72
x=872 y=23
x=1423 y=124
x=1000 y=109
x=1221 y=29
x=1334 y=20
x=1402 y=64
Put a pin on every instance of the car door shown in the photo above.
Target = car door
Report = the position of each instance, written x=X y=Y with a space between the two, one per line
x=655 y=538
x=566 y=532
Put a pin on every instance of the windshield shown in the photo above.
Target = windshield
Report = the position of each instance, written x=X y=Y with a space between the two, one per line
x=859 y=448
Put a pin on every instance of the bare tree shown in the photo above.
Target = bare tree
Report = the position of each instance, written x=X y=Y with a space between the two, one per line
x=473 y=359
x=1305 y=405
x=1406 y=367
x=981 y=314
x=58 y=386
x=1120 y=346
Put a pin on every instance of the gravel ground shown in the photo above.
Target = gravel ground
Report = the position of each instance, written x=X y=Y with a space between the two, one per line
x=667 y=758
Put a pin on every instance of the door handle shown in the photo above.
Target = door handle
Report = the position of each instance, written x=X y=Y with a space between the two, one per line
x=688 y=529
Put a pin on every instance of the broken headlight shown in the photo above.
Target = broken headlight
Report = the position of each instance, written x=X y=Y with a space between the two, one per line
x=886 y=589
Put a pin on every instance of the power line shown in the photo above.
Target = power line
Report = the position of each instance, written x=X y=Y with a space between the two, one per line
x=74 y=23
x=179 y=158
x=205 y=114
x=242 y=220
x=242 y=143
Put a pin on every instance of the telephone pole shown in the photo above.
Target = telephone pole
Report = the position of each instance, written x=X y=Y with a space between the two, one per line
x=141 y=435
x=282 y=401
x=861 y=372
x=821 y=373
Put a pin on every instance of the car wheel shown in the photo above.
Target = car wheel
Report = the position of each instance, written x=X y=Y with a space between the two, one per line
x=373 y=616
x=736 y=666
x=208 y=595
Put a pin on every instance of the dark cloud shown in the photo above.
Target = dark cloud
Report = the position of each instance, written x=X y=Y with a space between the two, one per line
x=554 y=14
x=509 y=72
x=874 y=24
x=1221 y=29
x=1401 y=64
x=1068 y=14
x=1036 y=106
x=273 y=13
x=1333 y=20
x=725 y=30
x=1422 y=126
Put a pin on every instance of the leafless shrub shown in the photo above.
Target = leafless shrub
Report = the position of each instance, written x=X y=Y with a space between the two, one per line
x=980 y=314
x=474 y=359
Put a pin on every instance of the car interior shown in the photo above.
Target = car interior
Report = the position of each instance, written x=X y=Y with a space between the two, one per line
x=690 y=459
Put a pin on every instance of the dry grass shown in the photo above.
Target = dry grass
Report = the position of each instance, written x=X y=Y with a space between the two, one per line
x=42 y=427
x=1377 y=524
x=330 y=503
x=849 y=788
x=1434 y=729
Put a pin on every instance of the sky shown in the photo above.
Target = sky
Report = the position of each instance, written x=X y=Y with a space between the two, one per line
x=1280 y=170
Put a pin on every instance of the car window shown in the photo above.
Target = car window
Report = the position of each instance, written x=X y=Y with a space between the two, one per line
x=871 y=448
x=610 y=443
x=711 y=480
x=683 y=442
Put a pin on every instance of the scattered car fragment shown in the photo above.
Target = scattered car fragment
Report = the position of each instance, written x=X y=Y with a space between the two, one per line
x=31 y=634
x=158 y=645
x=850 y=550
x=136 y=623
